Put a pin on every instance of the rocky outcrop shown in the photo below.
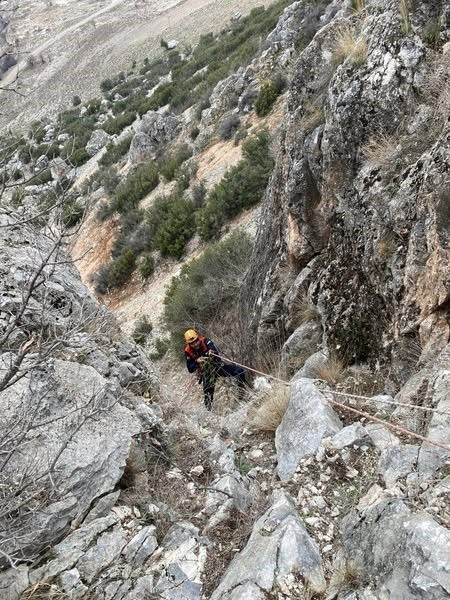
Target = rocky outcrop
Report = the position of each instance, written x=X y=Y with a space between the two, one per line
x=153 y=131
x=97 y=141
x=279 y=555
x=307 y=420
x=403 y=554
x=68 y=419
x=354 y=217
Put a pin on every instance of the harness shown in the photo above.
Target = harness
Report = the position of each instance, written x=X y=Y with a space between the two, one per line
x=190 y=351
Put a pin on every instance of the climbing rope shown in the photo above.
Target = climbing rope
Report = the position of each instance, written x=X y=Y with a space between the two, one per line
x=361 y=413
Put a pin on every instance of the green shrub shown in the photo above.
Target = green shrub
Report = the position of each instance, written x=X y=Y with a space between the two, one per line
x=229 y=126
x=207 y=286
x=198 y=194
x=169 y=165
x=73 y=212
x=137 y=185
x=115 y=151
x=142 y=330
x=241 y=187
x=41 y=178
x=194 y=132
x=116 y=273
x=266 y=99
x=78 y=157
x=147 y=266
x=115 y=125
x=161 y=347
x=177 y=229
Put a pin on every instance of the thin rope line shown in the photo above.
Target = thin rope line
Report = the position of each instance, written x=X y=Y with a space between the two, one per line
x=349 y=408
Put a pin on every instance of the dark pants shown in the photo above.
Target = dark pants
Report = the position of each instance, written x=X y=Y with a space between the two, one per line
x=221 y=370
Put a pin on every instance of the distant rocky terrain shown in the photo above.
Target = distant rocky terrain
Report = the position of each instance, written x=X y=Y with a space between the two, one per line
x=331 y=480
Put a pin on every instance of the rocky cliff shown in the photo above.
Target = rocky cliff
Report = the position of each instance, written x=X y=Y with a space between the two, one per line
x=356 y=217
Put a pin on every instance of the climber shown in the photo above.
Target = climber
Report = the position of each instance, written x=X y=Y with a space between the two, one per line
x=199 y=351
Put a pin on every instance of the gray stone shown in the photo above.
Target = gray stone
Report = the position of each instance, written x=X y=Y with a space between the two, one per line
x=13 y=582
x=404 y=554
x=102 y=507
x=141 y=546
x=397 y=462
x=382 y=437
x=312 y=364
x=348 y=436
x=279 y=546
x=107 y=548
x=305 y=337
x=307 y=420
x=68 y=552
x=97 y=141
x=153 y=132
x=180 y=563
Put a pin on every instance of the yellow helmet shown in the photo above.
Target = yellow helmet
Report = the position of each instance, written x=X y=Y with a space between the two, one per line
x=190 y=336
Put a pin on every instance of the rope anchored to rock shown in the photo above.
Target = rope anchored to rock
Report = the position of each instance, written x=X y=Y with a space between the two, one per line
x=361 y=413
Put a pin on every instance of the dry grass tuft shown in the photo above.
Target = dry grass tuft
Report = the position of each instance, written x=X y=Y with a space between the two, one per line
x=304 y=311
x=405 y=16
x=313 y=117
x=271 y=411
x=380 y=150
x=44 y=591
x=358 y=6
x=332 y=371
x=346 y=576
x=349 y=45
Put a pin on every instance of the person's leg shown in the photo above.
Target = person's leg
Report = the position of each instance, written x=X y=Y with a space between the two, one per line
x=208 y=391
x=230 y=370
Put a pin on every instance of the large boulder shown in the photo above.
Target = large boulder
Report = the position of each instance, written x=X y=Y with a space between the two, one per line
x=153 y=132
x=307 y=420
x=279 y=549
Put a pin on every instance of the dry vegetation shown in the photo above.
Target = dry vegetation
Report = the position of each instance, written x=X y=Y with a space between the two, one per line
x=270 y=413
x=349 y=45
x=332 y=370
x=44 y=591
x=380 y=150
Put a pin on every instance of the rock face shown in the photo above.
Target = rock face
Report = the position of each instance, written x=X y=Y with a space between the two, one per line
x=404 y=555
x=64 y=422
x=356 y=215
x=307 y=420
x=97 y=141
x=279 y=549
x=152 y=133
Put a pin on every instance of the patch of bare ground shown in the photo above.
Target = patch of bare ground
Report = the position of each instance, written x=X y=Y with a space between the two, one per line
x=93 y=245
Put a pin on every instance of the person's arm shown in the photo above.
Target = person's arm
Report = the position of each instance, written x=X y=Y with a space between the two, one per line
x=191 y=364
x=212 y=347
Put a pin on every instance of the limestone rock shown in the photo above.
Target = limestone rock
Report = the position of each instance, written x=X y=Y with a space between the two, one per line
x=396 y=462
x=405 y=555
x=141 y=546
x=308 y=419
x=97 y=141
x=279 y=546
x=348 y=436
x=152 y=133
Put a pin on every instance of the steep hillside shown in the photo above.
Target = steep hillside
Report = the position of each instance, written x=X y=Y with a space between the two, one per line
x=327 y=476
x=92 y=41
